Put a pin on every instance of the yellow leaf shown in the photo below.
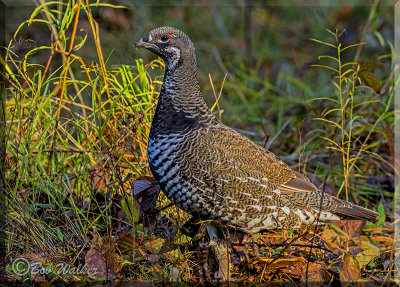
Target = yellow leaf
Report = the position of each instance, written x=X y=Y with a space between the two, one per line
x=174 y=255
x=181 y=238
x=369 y=252
x=155 y=245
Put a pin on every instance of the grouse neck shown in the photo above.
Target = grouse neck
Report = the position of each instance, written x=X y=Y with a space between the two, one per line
x=181 y=91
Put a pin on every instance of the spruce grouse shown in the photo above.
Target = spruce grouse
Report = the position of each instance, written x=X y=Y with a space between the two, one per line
x=213 y=172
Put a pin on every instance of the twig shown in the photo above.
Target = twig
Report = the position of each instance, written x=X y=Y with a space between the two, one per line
x=285 y=244
x=365 y=29
x=289 y=244
x=316 y=224
x=390 y=264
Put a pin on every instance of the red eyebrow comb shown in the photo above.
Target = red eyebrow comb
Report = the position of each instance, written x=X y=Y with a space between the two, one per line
x=169 y=35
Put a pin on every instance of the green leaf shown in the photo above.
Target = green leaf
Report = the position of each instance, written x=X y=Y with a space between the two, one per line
x=39 y=8
x=328 y=57
x=323 y=98
x=338 y=229
x=352 y=46
x=372 y=145
x=330 y=122
x=59 y=234
x=323 y=43
x=382 y=214
x=332 y=110
x=326 y=67
x=331 y=141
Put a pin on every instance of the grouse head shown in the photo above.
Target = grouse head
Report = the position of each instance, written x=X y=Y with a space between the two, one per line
x=171 y=44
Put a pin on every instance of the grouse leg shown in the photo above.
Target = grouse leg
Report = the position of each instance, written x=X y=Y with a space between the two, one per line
x=221 y=250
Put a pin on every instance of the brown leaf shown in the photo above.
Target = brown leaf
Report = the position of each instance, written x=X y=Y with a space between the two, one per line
x=351 y=228
x=279 y=263
x=382 y=239
x=330 y=234
x=99 y=176
x=102 y=258
x=370 y=79
x=369 y=65
x=350 y=270
x=315 y=272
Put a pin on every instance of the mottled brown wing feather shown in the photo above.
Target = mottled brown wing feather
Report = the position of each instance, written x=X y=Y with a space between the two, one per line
x=250 y=157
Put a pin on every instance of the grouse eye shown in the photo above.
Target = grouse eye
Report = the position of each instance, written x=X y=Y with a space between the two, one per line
x=164 y=38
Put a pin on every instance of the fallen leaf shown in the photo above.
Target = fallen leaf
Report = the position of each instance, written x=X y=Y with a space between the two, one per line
x=382 y=239
x=351 y=270
x=167 y=246
x=351 y=228
x=99 y=176
x=330 y=234
x=173 y=256
x=101 y=258
x=316 y=272
x=181 y=238
x=369 y=252
x=355 y=227
x=155 y=245
x=279 y=263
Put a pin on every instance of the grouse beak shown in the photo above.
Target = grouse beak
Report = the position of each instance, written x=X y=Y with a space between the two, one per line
x=140 y=44
x=144 y=44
